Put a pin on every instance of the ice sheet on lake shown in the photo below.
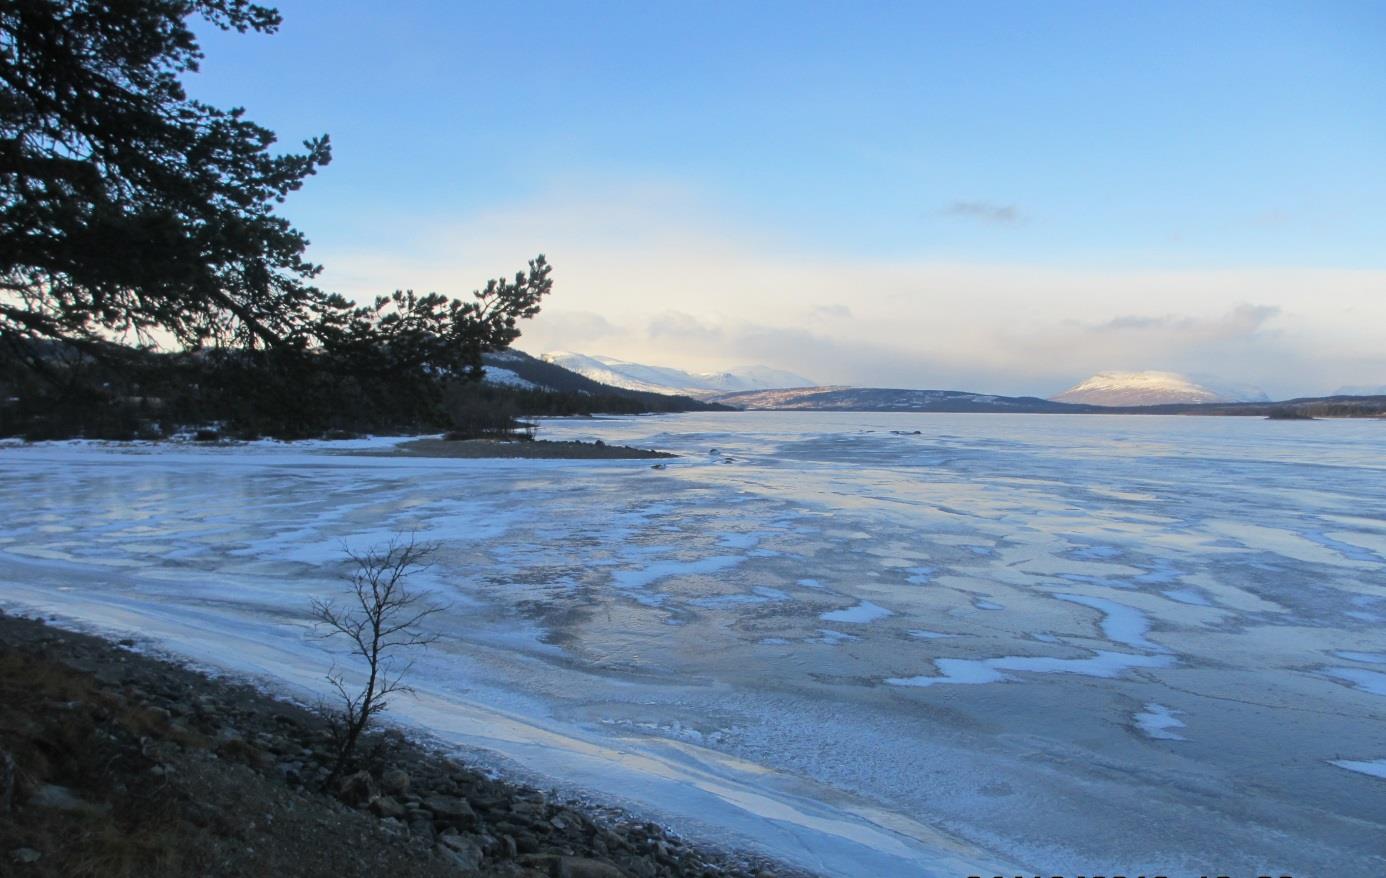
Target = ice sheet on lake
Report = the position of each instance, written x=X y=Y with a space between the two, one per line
x=666 y=639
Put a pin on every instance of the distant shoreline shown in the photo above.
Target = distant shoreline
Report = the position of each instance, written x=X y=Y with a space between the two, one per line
x=478 y=449
x=885 y=399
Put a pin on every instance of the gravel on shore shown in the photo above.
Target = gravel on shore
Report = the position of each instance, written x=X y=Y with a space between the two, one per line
x=117 y=763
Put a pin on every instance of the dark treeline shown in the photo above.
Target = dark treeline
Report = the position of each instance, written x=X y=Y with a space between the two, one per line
x=58 y=392
x=1329 y=407
x=1307 y=407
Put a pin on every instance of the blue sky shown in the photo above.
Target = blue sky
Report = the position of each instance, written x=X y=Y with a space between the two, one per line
x=1038 y=176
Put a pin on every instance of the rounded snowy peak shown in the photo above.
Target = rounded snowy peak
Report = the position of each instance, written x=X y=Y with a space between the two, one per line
x=1152 y=388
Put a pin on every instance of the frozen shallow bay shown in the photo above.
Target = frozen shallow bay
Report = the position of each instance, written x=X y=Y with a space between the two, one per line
x=867 y=653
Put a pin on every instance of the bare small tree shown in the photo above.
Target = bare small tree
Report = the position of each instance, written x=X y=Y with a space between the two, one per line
x=382 y=618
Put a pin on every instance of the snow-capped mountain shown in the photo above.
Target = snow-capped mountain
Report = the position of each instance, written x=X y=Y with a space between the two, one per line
x=662 y=379
x=507 y=377
x=1153 y=388
x=517 y=370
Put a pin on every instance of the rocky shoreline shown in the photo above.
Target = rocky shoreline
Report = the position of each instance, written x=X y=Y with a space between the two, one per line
x=114 y=763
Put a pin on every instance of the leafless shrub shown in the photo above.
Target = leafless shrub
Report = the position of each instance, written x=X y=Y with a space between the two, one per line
x=381 y=618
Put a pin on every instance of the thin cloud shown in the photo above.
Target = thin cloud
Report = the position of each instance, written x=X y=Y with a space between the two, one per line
x=683 y=327
x=560 y=328
x=986 y=211
x=1242 y=321
x=648 y=277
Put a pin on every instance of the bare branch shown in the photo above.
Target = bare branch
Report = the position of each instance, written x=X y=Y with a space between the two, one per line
x=383 y=618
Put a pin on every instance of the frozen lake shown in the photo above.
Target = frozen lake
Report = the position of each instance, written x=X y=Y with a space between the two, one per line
x=1067 y=644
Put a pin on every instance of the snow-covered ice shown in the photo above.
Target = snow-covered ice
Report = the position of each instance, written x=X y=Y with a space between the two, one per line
x=1370 y=658
x=1156 y=721
x=1368 y=681
x=1373 y=767
x=925 y=634
x=798 y=649
x=1120 y=623
x=1100 y=664
x=860 y=614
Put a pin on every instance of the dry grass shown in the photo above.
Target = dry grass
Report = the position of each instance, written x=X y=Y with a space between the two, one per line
x=203 y=812
x=62 y=727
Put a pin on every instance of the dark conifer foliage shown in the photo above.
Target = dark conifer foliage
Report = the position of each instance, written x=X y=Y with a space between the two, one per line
x=135 y=218
x=128 y=209
x=405 y=332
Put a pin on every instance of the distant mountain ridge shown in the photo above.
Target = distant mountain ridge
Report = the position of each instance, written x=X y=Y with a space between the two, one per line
x=667 y=380
x=1152 y=388
x=880 y=399
x=520 y=371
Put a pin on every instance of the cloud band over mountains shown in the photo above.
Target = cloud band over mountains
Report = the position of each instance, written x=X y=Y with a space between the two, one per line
x=653 y=274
